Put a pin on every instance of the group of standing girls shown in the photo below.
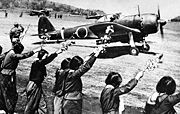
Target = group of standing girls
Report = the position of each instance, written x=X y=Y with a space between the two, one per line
x=68 y=90
x=68 y=85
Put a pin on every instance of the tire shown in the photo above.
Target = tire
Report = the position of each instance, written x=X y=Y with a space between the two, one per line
x=147 y=48
x=134 y=51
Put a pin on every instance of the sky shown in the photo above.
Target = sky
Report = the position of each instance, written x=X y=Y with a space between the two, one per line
x=168 y=8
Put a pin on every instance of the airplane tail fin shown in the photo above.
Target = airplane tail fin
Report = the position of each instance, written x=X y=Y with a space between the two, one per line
x=44 y=25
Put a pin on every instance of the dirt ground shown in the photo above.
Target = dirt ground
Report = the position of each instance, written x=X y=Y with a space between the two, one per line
x=93 y=80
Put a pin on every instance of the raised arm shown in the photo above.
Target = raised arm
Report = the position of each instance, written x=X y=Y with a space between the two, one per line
x=2 y=56
x=88 y=63
x=25 y=55
x=48 y=59
x=22 y=28
x=130 y=85
x=174 y=99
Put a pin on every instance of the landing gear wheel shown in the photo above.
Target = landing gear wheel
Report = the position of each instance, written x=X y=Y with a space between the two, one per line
x=134 y=51
x=146 y=48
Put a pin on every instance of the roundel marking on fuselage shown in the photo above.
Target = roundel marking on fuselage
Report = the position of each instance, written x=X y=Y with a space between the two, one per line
x=82 y=32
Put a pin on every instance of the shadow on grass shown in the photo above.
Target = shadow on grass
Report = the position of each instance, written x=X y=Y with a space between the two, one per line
x=48 y=42
x=116 y=51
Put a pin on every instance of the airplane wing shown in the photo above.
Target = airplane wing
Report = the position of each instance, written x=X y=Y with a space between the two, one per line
x=37 y=12
x=99 y=29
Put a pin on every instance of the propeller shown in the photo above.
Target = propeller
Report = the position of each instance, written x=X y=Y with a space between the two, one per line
x=141 y=19
x=139 y=14
x=161 y=23
x=159 y=15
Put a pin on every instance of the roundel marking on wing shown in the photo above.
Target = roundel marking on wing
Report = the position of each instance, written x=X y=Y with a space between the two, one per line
x=82 y=32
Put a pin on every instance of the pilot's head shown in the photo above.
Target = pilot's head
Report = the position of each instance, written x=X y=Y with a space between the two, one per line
x=16 y=24
x=42 y=54
x=113 y=79
x=166 y=85
x=18 y=48
x=76 y=62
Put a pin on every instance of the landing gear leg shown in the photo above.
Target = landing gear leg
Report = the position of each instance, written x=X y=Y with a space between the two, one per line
x=133 y=49
x=145 y=46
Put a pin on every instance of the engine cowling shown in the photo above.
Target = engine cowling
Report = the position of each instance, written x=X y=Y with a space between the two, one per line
x=82 y=32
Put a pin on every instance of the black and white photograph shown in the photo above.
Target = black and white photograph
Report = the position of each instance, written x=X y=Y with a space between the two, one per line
x=89 y=57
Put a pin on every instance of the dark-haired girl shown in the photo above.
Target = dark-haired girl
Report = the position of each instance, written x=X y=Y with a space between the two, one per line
x=58 y=89
x=109 y=98
x=164 y=99
x=36 y=77
x=72 y=103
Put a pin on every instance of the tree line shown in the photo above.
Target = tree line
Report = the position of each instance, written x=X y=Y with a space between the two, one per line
x=41 y=4
x=176 y=19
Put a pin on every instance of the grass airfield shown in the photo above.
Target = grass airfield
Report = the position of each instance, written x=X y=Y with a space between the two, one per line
x=93 y=80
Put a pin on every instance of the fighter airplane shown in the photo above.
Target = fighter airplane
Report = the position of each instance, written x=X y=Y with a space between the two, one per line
x=129 y=30
x=40 y=12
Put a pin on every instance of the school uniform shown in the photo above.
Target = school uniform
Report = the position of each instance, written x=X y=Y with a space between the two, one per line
x=34 y=87
x=58 y=90
x=72 y=103
x=161 y=103
x=8 y=92
x=109 y=98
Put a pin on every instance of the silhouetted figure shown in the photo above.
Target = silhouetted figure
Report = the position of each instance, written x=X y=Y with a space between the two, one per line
x=21 y=14
x=60 y=16
x=6 y=14
x=55 y=15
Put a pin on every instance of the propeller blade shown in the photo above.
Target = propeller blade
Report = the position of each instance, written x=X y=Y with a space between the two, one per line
x=161 y=23
x=139 y=14
x=159 y=15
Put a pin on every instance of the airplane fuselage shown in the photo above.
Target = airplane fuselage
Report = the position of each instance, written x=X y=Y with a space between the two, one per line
x=147 y=23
